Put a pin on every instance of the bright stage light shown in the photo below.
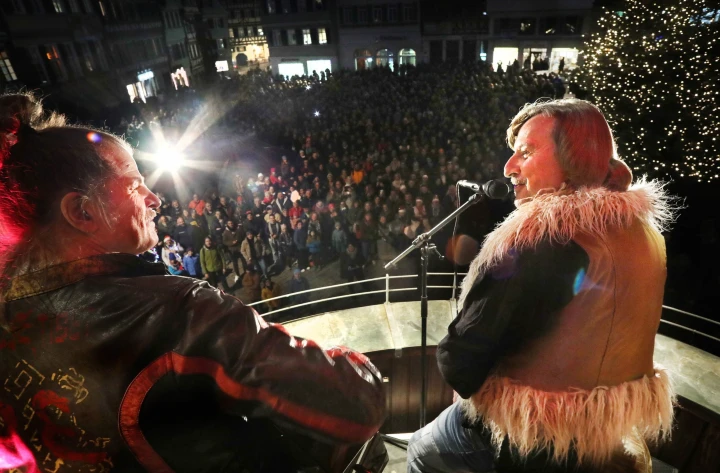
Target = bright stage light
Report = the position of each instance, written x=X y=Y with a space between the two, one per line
x=168 y=158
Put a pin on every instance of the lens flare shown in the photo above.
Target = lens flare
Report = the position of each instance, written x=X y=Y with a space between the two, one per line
x=94 y=137
x=579 y=279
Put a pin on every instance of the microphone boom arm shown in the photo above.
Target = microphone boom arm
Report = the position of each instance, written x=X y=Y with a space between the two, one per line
x=425 y=237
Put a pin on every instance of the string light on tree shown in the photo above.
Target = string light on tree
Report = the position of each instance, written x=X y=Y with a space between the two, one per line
x=654 y=70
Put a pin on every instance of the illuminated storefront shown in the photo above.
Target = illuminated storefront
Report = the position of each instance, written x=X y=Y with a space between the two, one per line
x=180 y=78
x=146 y=86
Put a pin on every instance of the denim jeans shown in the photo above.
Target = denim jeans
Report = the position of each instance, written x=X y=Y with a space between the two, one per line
x=444 y=445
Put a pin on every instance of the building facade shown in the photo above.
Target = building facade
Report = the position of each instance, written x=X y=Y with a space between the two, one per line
x=539 y=35
x=455 y=31
x=135 y=38
x=183 y=51
x=248 y=44
x=59 y=47
x=377 y=33
x=302 y=36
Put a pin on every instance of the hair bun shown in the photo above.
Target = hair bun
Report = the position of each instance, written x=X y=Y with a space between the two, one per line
x=619 y=176
x=19 y=109
x=23 y=112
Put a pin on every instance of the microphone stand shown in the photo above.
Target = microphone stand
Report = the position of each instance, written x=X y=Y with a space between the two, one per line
x=426 y=250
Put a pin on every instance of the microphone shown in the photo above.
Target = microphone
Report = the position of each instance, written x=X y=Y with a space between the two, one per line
x=492 y=189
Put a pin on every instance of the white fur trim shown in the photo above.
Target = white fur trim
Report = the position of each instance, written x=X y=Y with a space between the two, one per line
x=557 y=217
x=596 y=423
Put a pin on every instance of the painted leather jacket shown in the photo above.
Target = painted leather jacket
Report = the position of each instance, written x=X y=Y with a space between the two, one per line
x=107 y=363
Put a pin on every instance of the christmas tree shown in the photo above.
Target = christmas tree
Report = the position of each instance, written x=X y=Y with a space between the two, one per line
x=654 y=70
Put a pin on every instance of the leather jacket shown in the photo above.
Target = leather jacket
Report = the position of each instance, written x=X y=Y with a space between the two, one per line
x=108 y=363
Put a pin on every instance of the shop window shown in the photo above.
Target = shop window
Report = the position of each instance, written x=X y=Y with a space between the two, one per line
x=407 y=57
x=384 y=58
x=363 y=59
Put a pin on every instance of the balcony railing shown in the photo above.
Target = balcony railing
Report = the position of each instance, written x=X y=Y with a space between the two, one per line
x=454 y=286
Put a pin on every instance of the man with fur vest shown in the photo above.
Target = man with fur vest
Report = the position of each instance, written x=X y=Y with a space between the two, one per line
x=551 y=354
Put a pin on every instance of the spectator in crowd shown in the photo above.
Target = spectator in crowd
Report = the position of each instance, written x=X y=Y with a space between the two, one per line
x=277 y=255
x=251 y=285
x=170 y=247
x=315 y=249
x=176 y=268
x=299 y=283
x=271 y=290
x=197 y=204
x=211 y=263
x=253 y=250
x=191 y=263
x=232 y=239
x=339 y=239
x=352 y=267
x=184 y=234
x=164 y=226
x=287 y=244
x=300 y=236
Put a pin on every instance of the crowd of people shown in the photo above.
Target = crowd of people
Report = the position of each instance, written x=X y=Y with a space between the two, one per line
x=372 y=160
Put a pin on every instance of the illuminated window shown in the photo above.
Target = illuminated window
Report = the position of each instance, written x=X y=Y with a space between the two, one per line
x=231 y=33
x=322 y=36
x=260 y=31
x=407 y=57
x=7 y=69
x=102 y=8
x=307 y=38
x=292 y=39
x=56 y=64
x=384 y=58
x=58 y=5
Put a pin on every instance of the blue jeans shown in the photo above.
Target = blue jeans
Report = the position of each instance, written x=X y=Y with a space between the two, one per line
x=444 y=445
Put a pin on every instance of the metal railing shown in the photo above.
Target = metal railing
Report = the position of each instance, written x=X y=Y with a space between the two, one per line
x=387 y=278
x=454 y=286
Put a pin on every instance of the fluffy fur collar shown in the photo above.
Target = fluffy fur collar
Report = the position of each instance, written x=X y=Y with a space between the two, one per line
x=557 y=217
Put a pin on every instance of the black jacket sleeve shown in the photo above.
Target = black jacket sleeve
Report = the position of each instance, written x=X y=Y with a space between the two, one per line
x=512 y=303
x=334 y=393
